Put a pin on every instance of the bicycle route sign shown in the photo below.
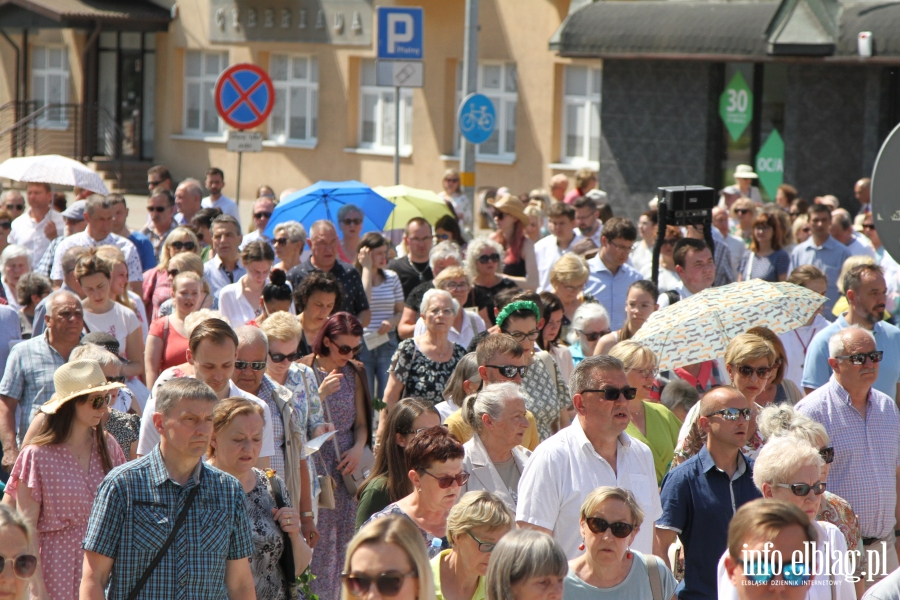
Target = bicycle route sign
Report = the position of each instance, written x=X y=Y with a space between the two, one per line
x=244 y=96
x=477 y=118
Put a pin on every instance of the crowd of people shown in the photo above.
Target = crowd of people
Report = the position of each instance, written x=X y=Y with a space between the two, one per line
x=195 y=410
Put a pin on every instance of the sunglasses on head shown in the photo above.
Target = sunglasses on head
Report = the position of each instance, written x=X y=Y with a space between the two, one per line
x=509 y=371
x=860 y=359
x=278 y=357
x=159 y=209
x=283 y=241
x=15 y=207
x=240 y=365
x=827 y=454
x=345 y=350
x=611 y=393
x=262 y=215
x=189 y=245
x=387 y=583
x=100 y=401
x=761 y=573
x=761 y=372
x=592 y=336
x=351 y=221
x=732 y=414
x=446 y=481
x=23 y=566
x=803 y=489
x=598 y=525
x=489 y=258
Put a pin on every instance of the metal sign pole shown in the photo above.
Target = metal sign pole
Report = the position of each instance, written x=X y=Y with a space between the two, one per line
x=470 y=84
x=396 y=135
x=237 y=197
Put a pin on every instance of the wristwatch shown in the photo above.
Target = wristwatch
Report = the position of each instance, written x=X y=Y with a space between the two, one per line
x=305 y=515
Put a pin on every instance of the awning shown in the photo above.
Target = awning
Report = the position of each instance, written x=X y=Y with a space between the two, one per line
x=134 y=15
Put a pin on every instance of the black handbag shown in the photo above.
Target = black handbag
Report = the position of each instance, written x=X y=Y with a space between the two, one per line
x=287 y=555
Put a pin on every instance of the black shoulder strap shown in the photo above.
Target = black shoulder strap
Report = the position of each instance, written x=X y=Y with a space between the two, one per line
x=673 y=296
x=165 y=547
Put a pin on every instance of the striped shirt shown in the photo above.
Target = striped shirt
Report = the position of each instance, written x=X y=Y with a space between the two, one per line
x=29 y=377
x=866 y=452
x=84 y=240
x=382 y=299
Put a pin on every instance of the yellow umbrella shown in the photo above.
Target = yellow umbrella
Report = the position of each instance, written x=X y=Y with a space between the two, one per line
x=411 y=203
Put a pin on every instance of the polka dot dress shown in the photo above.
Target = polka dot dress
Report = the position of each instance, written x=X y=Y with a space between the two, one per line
x=65 y=492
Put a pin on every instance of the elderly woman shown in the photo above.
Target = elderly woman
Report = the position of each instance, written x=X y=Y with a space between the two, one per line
x=552 y=309
x=6 y=220
x=526 y=565
x=157 y=281
x=482 y=265
x=289 y=241
x=31 y=289
x=790 y=470
x=743 y=215
x=464 y=380
x=766 y=259
x=669 y=279
x=610 y=520
x=442 y=256
x=651 y=422
x=388 y=555
x=15 y=261
x=495 y=456
x=640 y=303
x=388 y=481
x=466 y=324
x=590 y=323
x=474 y=527
x=422 y=365
x=316 y=299
x=16 y=543
x=434 y=459
x=239 y=301
x=778 y=390
x=568 y=277
x=350 y=223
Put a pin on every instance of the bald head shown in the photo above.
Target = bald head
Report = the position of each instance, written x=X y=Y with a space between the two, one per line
x=721 y=397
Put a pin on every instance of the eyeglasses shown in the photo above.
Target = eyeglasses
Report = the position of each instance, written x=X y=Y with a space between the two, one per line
x=23 y=565
x=281 y=241
x=441 y=237
x=482 y=546
x=748 y=371
x=646 y=373
x=452 y=286
x=521 y=336
x=498 y=215
x=762 y=573
x=153 y=182
x=262 y=215
x=742 y=211
x=489 y=258
x=509 y=371
x=619 y=530
x=827 y=454
x=803 y=489
x=100 y=401
x=159 y=209
x=860 y=359
x=611 y=393
x=345 y=350
x=622 y=248
x=240 y=365
x=117 y=379
x=189 y=246
x=419 y=240
x=387 y=583
x=447 y=480
x=732 y=414
x=452 y=180
x=277 y=357
x=593 y=336
x=5 y=224
x=351 y=221
x=15 y=207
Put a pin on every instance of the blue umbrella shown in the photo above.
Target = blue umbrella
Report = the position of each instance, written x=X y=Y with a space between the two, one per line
x=322 y=200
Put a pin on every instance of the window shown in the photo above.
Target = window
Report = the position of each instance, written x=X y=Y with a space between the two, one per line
x=581 y=116
x=50 y=83
x=295 y=114
x=500 y=83
x=201 y=69
x=377 y=125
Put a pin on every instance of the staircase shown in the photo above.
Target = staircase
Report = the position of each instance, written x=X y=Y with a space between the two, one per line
x=122 y=176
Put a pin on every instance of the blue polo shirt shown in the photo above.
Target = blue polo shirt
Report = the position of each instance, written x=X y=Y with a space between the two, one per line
x=817 y=371
x=611 y=290
x=828 y=258
x=699 y=500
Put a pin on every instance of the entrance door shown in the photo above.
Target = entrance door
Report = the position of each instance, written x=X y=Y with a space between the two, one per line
x=131 y=86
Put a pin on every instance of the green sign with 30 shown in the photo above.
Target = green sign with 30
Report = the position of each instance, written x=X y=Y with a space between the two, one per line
x=736 y=106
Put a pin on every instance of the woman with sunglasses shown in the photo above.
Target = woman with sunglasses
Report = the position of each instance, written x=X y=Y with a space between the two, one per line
x=453 y=197
x=475 y=525
x=552 y=309
x=55 y=478
x=158 y=281
x=669 y=279
x=519 y=260
x=167 y=342
x=778 y=390
x=388 y=481
x=610 y=520
x=289 y=243
x=350 y=221
x=241 y=301
x=526 y=565
x=743 y=215
x=801 y=228
x=387 y=555
x=790 y=470
x=766 y=259
x=17 y=563
x=589 y=324
x=5 y=228
x=317 y=298
x=466 y=324
x=446 y=229
x=347 y=405
x=482 y=265
x=434 y=459
x=640 y=303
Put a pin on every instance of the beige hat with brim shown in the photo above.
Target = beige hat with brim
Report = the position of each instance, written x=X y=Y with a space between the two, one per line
x=75 y=379
x=512 y=206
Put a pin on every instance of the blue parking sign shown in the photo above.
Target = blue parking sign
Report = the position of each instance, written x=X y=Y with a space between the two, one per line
x=477 y=118
x=400 y=33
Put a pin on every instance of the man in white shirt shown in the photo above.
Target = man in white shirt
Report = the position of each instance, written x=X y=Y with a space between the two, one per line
x=842 y=231
x=34 y=229
x=548 y=250
x=262 y=212
x=215 y=181
x=593 y=451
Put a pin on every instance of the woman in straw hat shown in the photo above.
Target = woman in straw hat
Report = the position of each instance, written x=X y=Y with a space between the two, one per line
x=55 y=478
x=519 y=262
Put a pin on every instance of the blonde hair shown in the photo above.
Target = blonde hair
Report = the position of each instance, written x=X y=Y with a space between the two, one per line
x=282 y=326
x=403 y=533
x=478 y=509
x=198 y=316
x=112 y=254
x=633 y=353
x=571 y=269
x=451 y=273
x=186 y=275
x=532 y=209
x=762 y=520
x=853 y=261
x=187 y=261
x=165 y=253
x=746 y=347
x=744 y=203
x=606 y=492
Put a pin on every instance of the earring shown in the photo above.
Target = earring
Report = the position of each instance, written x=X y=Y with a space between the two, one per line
x=628 y=555
x=419 y=490
x=581 y=546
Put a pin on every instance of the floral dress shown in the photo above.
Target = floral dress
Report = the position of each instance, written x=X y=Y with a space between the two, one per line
x=268 y=540
x=301 y=381
x=422 y=377
x=433 y=544
x=545 y=395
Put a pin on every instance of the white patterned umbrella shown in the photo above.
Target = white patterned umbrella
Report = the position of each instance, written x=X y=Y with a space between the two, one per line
x=53 y=169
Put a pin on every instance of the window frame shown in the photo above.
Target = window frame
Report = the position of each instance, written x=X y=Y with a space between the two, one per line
x=200 y=80
x=379 y=146
x=44 y=73
x=587 y=102
x=289 y=86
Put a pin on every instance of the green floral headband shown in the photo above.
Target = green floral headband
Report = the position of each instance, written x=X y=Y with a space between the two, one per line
x=515 y=306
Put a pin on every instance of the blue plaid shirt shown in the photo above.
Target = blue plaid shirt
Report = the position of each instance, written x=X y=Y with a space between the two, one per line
x=133 y=514
x=29 y=377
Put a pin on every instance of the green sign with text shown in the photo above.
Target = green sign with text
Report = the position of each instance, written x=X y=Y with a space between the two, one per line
x=770 y=163
x=736 y=106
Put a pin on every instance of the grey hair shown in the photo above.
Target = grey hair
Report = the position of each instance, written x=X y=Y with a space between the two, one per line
x=187 y=388
x=294 y=231
x=50 y=300
x=250 y=334
x=465 y=370
x=521 y=555
x=443 y=251
x=781 y=458
x=474 y=250
x=782 y=420
x=346 y=210
x=584 y=314
x=489 y=401
x=836 y=342
x=582 y=377
x=679 y=393
x=192 y=186
x=434 y=293
x=96 y=353
x=14 y=251
x=319 y=225
x=94 y=202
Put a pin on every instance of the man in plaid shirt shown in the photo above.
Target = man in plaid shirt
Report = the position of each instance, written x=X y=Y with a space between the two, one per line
x=138 y=503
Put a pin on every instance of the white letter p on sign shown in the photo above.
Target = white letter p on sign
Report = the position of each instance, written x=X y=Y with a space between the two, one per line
x=394 y=37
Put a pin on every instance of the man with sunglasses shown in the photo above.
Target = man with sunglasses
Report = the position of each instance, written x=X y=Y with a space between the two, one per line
x=14 y=203
x=862 y=424
x=262 y=212
x=161 y=210
x=700 y=496
x=593 y=451
x=611 y=275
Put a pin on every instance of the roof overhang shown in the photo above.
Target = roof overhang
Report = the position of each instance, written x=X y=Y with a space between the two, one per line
x=133 y=15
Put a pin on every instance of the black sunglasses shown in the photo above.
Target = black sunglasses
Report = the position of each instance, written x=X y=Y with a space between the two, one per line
x=189 y=245
x=742 y=211
x=509 y=371
x=761 y=372
x=732 y=414
x=803 y=489
x=282 y=240
x=351 y=221
x=827 y=454
x=598 y=525
x=173 y=273
x=593 y=336
x=153 y=183
x=860 y=359
x=345 y=350
x=489 y=258
x=15 y=207
x=447 y=480
x=23 y=565
x=278 y=357
x=387 y=583
x=869 y=227
x=612 y=393
x=262 y=215
x=240 y=365
x=159 y=209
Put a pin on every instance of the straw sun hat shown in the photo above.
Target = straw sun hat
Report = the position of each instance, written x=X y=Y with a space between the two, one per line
x=511 y=206
x=76 y=379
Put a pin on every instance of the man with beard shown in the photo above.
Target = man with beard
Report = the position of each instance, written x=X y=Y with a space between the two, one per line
x=866 y=295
